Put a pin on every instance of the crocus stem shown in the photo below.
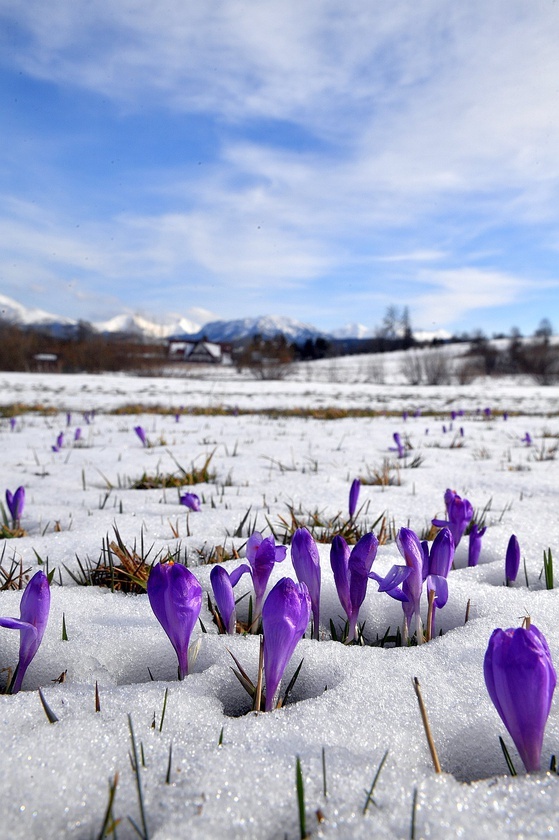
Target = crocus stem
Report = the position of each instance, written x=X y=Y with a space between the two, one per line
x=430 y=616
x=258 y=691
x=419 y=629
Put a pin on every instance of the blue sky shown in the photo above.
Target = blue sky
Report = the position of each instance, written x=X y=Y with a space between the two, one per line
x=316 y=159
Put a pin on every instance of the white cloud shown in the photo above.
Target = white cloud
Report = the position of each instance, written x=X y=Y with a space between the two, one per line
x=461 y=291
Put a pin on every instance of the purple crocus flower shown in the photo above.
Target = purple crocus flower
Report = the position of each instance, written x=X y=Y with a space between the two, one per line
x=77 y=435
x=222 y=587
x=474 y=545
x=437 y=565
x=59 y=443
x=351 y=575
x=527 y=439
x=520 y=679
x=12 y=423
x=459 y=512
x=412 y=586
x=15 y=502
x=68 y=418
x=285 y=616
x=141 y=434
x=306 y=562
x=176 y=599
x=261 y=555
x=354 y=496
x=487 y=412
x=34 y=613
x=512 y=560
x=399 y=448
x=191 y=501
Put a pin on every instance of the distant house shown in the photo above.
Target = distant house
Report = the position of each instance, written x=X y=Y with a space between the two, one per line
x=46 y=363
x=199 y=352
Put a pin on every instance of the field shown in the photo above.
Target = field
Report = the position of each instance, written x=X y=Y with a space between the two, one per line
x=274 y=456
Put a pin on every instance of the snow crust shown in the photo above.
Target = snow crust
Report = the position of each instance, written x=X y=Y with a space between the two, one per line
x=355 y=702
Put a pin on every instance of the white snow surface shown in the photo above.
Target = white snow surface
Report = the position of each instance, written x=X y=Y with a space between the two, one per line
x=355 y=702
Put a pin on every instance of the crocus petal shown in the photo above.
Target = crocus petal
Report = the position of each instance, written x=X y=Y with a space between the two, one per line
x=521 y=679
x=10 y=502
x=261 y=556
x=224 y=597
x=474 y=544
x=439 y=585
x=460 y=513
x=410 y=548
x=339 y=557
x=306 y=562
x=176 y=599
x=395 y=577
x=359 y=565
x=237 y=573
x=441 y=554
x=440 y=523
x=17 y=624
x=448 y=498
x=284 y=619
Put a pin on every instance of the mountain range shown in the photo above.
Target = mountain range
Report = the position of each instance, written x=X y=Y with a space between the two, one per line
x=198 y=326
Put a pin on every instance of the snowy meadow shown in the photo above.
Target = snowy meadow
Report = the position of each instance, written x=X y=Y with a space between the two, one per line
x=118 y=746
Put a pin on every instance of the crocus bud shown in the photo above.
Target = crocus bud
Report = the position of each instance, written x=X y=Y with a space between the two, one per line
x=262 y=554
x=400 y=448
x=15 y=502
x=351 y=574
x=474 y=544
x=412 y=586
x=34 y=613
x=176 y=599
x=512 y=560
x=191 y=501
x=141 y=434
x=520 y=679
x=224 y=598
x=285 y=616
x=354 y=496
x=306 y=562
x=459 y=512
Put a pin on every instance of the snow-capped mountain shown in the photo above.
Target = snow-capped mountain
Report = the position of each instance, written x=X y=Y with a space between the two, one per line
x=142 y=327
x=16 y=313
x=267 y=326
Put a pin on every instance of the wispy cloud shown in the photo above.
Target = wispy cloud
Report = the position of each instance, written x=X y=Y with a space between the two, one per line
x=457 y=293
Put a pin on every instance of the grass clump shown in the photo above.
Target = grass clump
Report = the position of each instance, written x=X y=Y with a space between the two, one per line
x=182 y=478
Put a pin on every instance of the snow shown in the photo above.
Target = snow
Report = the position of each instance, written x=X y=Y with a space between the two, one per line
x=355 y=702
